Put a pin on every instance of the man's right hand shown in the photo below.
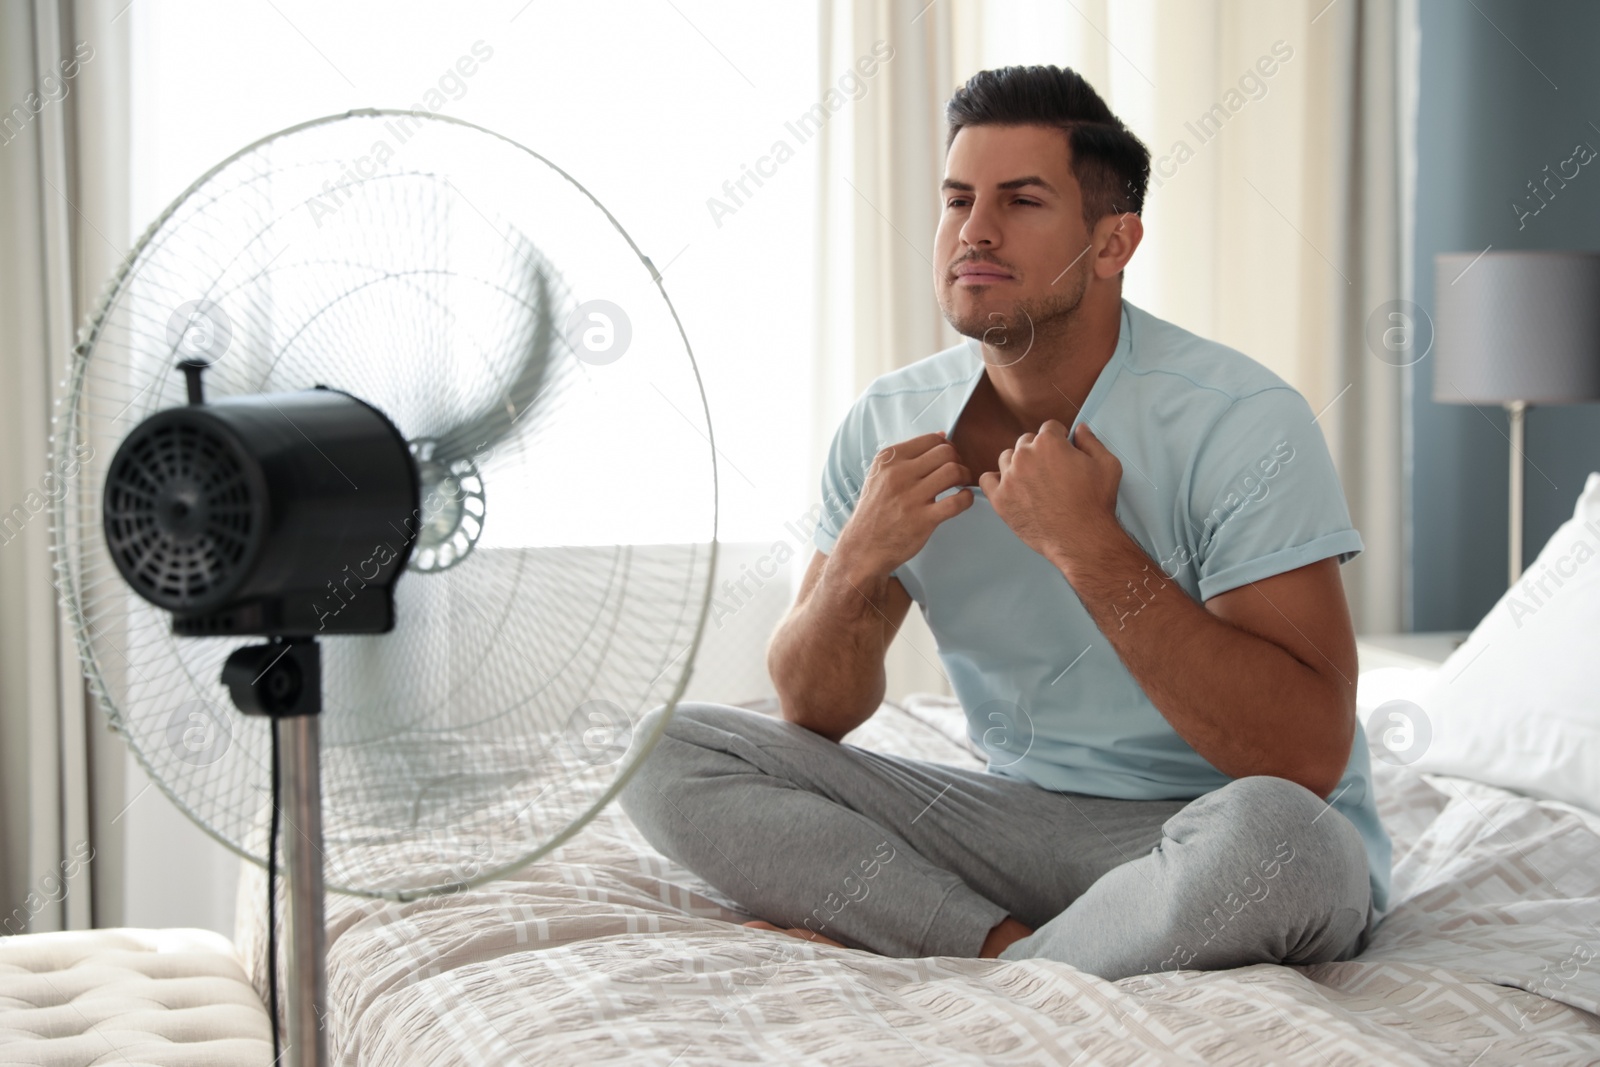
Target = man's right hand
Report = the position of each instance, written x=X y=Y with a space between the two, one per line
x=896 y=513
x=826 y=658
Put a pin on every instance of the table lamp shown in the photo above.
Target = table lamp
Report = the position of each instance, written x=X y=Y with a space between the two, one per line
x=1516 y=329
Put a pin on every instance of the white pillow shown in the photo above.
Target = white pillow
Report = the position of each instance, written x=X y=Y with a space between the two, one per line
x=1518 y=704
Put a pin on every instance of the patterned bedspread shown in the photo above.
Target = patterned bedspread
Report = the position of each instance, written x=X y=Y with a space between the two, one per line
x=607 y=952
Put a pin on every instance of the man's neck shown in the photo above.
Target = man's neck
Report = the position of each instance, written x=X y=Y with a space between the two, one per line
x=1054 y=379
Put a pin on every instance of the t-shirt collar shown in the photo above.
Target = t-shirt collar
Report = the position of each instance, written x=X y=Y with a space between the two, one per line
x=955 y=398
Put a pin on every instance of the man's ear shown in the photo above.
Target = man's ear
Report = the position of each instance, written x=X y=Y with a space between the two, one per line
x=1117 y=236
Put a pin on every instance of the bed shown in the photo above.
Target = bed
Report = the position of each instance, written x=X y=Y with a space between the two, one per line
x=607 y=952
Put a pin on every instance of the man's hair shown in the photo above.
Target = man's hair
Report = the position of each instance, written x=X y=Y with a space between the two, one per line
x=1112 y=166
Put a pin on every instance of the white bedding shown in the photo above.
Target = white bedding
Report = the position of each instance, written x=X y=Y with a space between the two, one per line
x=607 y=952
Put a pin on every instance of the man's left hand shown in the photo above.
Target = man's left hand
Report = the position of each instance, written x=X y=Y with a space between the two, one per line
x=1058 y=495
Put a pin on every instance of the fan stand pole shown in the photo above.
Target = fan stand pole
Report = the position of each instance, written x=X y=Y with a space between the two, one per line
x=299 y=753
x=282 y=680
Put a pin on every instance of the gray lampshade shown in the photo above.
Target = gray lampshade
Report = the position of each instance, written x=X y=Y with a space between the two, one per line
x=1516 y=326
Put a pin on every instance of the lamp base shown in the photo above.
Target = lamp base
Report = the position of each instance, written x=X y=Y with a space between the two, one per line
x=1518 y=411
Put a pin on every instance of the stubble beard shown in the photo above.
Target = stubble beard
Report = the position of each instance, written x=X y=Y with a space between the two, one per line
x=1029 y=320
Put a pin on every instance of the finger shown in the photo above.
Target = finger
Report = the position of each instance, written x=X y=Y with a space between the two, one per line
x=1053 y=427
x=952 y=505
x=989 y=482
x=909 y=449
x=1085 y=438
x=943 y=477
x=1005 y=460
x=916 y=446
x=919 y=467
x=1025 y=439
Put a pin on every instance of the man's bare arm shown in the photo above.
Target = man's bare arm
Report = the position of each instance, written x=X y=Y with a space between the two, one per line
x=1261 y=680
x=826 y=657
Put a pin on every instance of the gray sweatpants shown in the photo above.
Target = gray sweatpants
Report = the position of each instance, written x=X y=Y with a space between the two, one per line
x=907 y=857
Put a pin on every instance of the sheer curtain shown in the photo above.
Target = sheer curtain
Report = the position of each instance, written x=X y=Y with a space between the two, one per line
x=1274 y=223
x=684 y=103
x=63 y=209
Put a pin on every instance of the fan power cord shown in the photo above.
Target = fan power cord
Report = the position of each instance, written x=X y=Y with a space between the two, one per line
x=272 y=900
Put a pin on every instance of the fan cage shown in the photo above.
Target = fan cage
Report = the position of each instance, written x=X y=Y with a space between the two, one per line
x=71 y=433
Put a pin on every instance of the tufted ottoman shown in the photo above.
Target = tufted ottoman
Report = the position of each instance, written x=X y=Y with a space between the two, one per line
x=147 y=998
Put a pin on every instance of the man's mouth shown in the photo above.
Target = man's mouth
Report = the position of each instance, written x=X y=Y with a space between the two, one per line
x=981 y=274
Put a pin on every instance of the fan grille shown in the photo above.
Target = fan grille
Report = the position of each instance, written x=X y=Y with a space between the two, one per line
x=180 y=518
x=449 y=289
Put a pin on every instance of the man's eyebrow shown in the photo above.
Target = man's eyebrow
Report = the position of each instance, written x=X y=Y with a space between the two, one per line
x=1014 y=183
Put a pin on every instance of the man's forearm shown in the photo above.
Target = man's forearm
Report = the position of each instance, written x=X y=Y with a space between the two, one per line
x=1242 y=702
x=826 y=659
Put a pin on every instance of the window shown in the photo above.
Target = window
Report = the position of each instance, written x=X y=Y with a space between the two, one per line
x=654 y=107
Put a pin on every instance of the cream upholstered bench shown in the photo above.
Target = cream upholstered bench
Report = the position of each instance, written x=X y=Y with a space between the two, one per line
x=174 y=998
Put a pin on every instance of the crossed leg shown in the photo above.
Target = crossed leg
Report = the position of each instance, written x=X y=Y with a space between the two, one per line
x=907 y=857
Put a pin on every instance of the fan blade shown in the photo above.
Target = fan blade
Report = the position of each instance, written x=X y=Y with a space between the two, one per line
x=537 y=339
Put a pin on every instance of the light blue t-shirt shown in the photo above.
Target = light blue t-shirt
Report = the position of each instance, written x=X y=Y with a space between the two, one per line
x=1225 y=480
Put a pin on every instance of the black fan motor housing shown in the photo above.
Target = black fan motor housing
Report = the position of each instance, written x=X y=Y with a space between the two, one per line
x=286 y=514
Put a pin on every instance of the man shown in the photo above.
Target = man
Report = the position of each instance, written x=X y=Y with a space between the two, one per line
x=1126 y=540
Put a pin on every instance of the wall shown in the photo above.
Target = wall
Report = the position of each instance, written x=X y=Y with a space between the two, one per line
x=1507 y=88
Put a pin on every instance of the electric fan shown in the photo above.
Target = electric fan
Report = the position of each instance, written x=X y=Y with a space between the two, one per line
x=398 y=447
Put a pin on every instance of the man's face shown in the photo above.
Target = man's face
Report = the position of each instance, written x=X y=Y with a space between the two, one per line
x=1013 y=211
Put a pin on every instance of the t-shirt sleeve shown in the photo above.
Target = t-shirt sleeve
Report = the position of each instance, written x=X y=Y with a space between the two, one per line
x=1264 y=495
x=849 y=456
x=855 y=444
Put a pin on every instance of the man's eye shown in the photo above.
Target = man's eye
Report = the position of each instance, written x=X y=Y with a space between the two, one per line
x=961 y=201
